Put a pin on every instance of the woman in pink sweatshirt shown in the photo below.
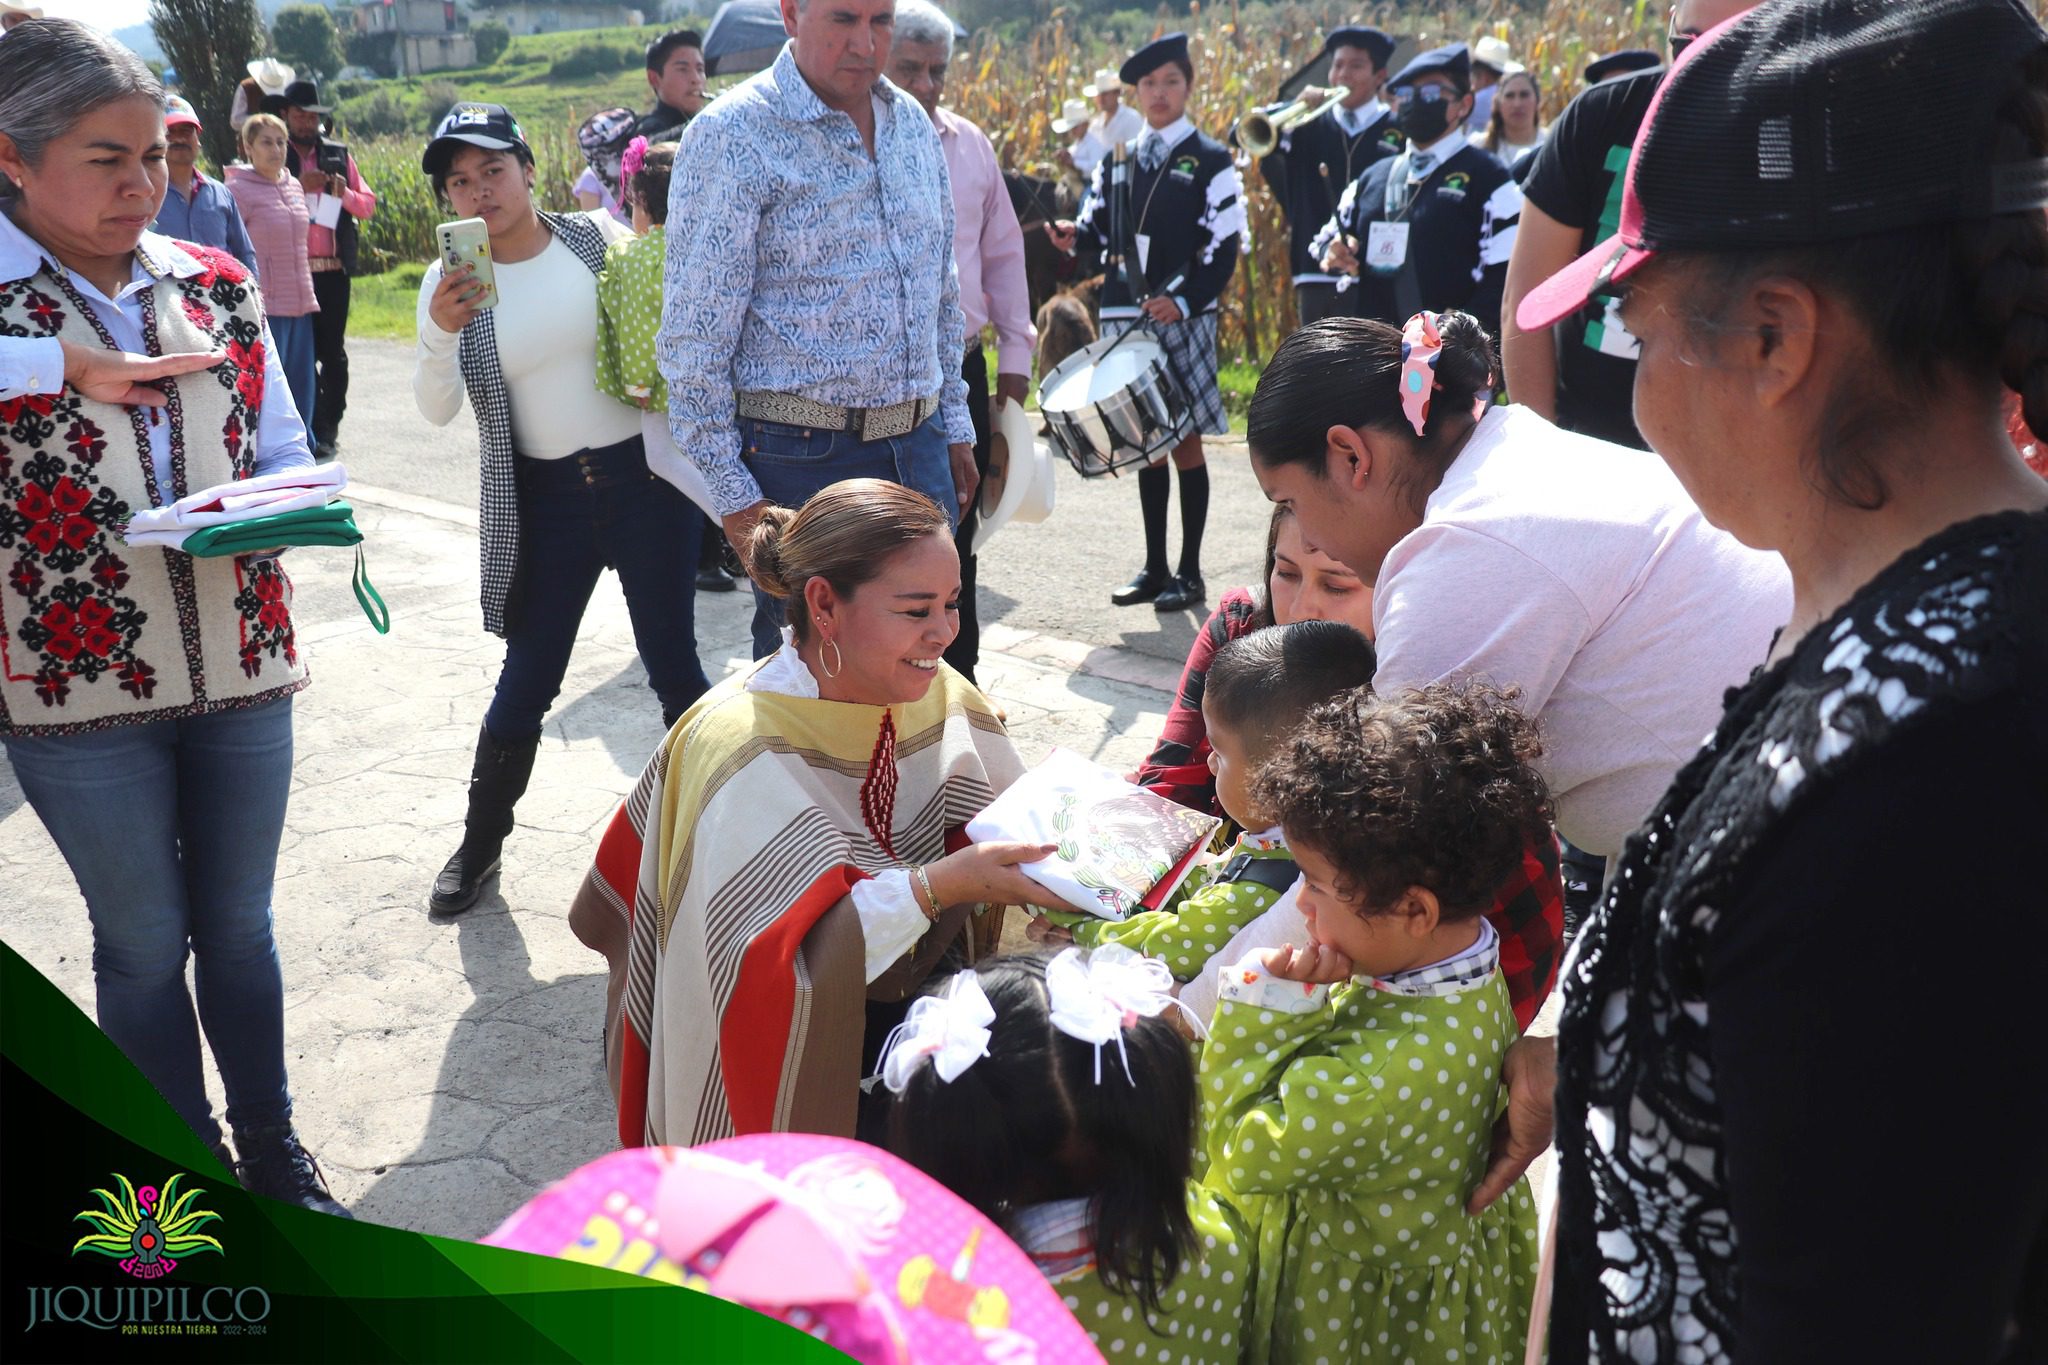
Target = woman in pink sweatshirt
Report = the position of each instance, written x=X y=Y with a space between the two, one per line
x=274 y=210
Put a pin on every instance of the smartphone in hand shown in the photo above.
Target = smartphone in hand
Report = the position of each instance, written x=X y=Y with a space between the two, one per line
x=467 y=241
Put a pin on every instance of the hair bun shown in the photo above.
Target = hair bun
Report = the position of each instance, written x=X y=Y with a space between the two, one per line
x=1467 y=366
x=764 y=552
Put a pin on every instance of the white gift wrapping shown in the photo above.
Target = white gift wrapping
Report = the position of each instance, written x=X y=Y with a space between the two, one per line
x=1121 y=848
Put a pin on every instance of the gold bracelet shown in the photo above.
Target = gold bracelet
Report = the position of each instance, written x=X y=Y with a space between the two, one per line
x=931 y=898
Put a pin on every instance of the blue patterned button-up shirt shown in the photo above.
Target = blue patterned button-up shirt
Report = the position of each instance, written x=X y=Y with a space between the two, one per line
x=798 y=263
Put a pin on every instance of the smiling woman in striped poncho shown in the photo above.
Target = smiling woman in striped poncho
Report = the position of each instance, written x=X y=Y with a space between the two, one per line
x=777 y=885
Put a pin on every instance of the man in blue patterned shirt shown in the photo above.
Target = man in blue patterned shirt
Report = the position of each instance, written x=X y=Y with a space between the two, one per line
x=812 y=330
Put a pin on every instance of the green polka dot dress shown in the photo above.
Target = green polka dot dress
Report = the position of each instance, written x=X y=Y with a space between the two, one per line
x=1202 y=917
x=1203 y=1314
x=628 y=317
x=1348 y=1128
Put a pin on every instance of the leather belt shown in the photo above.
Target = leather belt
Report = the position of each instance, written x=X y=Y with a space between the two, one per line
x=320 y=264
x=870 y=424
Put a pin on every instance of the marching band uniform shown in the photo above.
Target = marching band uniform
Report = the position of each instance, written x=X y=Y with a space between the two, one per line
x=1183 y=223
x=1313 y=164
x=1434 y=226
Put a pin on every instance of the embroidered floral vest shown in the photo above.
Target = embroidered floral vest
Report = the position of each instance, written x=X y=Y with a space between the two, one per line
x=95 y=633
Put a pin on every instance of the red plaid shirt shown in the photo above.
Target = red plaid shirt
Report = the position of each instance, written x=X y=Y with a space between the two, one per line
x=1528 y=910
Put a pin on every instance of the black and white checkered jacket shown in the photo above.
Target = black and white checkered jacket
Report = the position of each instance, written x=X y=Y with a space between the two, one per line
x=478 y=355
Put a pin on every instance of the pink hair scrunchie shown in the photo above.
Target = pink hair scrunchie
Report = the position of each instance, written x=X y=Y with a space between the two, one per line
x=1421 y=344
x=629 y=163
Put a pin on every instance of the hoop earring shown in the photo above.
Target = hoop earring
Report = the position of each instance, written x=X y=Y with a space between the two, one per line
x=838 y=659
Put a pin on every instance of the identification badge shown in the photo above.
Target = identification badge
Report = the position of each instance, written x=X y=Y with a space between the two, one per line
x=1386 y=247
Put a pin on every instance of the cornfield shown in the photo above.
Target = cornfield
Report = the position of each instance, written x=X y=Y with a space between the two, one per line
x=1013 y=90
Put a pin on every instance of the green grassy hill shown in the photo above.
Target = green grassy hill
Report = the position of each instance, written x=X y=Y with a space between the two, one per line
x=543 y=78
x=550 y=81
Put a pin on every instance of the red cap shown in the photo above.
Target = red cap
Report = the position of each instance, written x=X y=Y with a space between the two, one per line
x=179 y=111
x=1621 y=255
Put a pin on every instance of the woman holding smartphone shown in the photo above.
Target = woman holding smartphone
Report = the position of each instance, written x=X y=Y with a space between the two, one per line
x=566 y=488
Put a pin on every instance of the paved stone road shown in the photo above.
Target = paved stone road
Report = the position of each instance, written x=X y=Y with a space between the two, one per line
x=443 y=1071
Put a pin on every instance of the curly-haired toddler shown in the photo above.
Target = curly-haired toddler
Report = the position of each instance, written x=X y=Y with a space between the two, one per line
x=1350 y=1087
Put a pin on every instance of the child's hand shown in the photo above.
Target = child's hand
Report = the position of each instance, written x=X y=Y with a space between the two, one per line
x=1043 y=930
x=1316 y=965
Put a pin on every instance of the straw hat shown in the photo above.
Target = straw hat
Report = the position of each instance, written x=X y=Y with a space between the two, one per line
x=1073 y=113
x=8 y=8
x=1019 y=484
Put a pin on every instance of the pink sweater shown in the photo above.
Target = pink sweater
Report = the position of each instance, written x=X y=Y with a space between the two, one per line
x=274 y=211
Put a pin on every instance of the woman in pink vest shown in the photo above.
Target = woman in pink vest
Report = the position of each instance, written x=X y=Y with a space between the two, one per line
x=274 y=210
x=145 y=695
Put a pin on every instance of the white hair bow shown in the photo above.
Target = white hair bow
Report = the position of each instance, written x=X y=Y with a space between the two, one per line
x=1096 y=997
x=950 y=1028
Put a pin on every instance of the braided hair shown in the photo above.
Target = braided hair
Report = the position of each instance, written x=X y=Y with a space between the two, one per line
x=1959 y=301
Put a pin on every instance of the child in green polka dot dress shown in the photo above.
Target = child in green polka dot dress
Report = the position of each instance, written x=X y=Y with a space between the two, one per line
x=1057 y=1096
x=1351 y=1086
x=1259 y=687
x=629 y=294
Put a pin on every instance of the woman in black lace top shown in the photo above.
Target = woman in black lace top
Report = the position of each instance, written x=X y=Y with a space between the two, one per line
x=1802 y=1101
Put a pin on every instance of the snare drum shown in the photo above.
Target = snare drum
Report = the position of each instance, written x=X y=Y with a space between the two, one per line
x=1114 y=404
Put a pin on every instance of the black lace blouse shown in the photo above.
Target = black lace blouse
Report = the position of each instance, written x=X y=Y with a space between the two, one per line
x=1803 y=1061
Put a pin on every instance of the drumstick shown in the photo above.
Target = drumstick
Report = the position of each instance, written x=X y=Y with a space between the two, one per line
x=1331 y=193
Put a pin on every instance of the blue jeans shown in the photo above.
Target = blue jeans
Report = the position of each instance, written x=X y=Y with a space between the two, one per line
x=171 y=828
x=578 y=516
x=792 y=463
x=296 y=351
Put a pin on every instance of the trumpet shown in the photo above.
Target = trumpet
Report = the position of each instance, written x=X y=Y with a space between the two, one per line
x=1258 y=132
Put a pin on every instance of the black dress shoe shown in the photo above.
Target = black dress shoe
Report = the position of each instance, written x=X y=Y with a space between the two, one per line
x=1184 y=590
x=1146 y=586
x=715 y=579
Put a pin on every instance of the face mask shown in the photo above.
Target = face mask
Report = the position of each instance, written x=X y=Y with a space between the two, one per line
x=1424 y=122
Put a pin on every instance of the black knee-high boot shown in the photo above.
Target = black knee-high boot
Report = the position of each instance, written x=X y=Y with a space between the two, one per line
x=497 y=779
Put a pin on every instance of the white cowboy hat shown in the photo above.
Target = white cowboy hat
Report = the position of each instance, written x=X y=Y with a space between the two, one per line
x=25 y=11
x=1018 y=486
x=271 y=75
x=1494 y=52
x=1073 y=113
x=1105 y=79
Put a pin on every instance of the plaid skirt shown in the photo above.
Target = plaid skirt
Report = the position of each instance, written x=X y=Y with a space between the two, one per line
x=1190 y=347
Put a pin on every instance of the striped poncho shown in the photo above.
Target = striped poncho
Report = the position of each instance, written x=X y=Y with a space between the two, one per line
x=739 y=1004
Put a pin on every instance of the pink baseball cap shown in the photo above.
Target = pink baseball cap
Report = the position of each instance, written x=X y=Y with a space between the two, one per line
x=178 y=111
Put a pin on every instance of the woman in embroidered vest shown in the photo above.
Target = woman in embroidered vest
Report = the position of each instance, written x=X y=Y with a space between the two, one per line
x=566 y=488
x=145 y=696
x=778 y=884
x=274 y=210
x=1801 y=1094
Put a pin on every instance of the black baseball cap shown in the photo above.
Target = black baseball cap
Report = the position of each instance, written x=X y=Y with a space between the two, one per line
x=470 y=124
x=1810 y=121
x=303 y=95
